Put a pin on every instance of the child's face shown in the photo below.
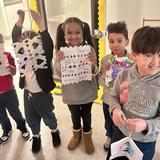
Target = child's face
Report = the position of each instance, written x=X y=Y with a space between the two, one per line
x=117 y=43
x=73 y=34
x=148 y=64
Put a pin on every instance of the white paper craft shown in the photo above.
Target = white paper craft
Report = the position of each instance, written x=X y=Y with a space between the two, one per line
x=127 y=148
x=3 y=64
x=30 y=51
x=75 y=66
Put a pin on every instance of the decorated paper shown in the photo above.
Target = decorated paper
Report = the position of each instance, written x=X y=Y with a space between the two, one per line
x=126 y=147
x=75 y=67
x=30 y=51
x=117 y=65
x=3 y=64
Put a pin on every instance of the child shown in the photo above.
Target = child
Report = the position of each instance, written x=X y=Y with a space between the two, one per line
x=139 y=116
x=8 y=97
x=78 y=96
x=118 y=40
x=38 y=101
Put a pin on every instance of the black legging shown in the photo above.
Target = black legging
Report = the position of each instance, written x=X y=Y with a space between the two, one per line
x=81 y=111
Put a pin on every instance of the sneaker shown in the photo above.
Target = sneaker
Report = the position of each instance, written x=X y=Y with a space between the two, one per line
x=6 y=136
x=107 y=144
x=25 y=133
x=56 y=138
x=36 y=144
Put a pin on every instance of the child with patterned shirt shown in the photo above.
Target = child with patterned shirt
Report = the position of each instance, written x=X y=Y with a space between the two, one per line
x=8 y=97
x=37 y=84
x=111 y=64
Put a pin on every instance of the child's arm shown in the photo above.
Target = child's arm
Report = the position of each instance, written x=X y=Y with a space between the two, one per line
x=46 y=38
x=11 y=67
x=17 y=29
x=93 y=59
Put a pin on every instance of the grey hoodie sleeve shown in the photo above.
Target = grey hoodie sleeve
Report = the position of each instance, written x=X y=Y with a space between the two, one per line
x=115 y=94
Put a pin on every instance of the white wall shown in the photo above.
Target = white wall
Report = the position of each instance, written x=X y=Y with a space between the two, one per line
x=132 y=11
x=59 y=10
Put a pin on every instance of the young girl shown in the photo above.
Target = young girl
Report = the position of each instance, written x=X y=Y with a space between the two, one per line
x=37 y=84
x=8 y=97
x=78 y=96
x=139 y=116
x=118 y=40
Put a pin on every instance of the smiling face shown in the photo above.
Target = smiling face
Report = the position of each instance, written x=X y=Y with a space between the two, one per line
x=73 y=34
x=117 y=43
x=148 y=64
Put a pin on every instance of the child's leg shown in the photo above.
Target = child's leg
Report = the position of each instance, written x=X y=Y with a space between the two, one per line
x=148 y=149
x=116 y=136
x=32 y=116
x=75 y=116
x=87 y=130
x=76 y=121
x=12 y=104
x=86 y=116
x=108 y=124
x=108 y=121
x=43 y=107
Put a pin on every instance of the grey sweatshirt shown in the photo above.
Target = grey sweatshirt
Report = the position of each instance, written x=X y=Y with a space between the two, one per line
x=78 y=93
x=143 y=101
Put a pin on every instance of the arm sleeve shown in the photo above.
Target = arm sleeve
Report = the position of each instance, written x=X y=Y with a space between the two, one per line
x=115 y=94
x=47 y=44
x=101 y=75
x=154 y=124
x=16 y=33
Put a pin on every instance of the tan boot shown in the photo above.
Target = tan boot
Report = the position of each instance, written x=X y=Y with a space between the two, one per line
x=88 y=143
x=73 y=143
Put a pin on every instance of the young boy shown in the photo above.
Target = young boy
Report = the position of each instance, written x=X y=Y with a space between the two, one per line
x=118 y=40
x=8 y=97
x=37 y=84
x=139 y=116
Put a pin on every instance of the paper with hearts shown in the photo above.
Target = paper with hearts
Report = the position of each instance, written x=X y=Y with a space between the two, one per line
x=75 y=67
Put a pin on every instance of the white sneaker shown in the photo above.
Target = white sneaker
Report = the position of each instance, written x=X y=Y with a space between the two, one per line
x=107 y=144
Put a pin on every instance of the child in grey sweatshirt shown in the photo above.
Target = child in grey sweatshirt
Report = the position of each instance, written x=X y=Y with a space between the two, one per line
x=135 y=98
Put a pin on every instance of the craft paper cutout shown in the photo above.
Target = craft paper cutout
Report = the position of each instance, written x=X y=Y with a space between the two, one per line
x=127 y=148
x=3 y=63
x=117 y=65
x=30 y=51
x=75 y=66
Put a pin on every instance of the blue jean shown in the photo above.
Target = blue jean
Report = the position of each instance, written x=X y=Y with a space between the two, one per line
x=39 y=106
x=147 y=148
x=9 y=101
x=108 y=124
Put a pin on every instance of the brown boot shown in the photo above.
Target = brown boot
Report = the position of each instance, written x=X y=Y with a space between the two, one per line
x=88 y=143
x=73 y=143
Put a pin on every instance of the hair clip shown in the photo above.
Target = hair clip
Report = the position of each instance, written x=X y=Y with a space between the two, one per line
x=99 y=34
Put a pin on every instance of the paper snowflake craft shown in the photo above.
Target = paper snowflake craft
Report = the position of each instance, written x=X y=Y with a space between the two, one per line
x=3 y=64
x=125 y=147
x=117 y=65
x=75 y=66
x=30 y=51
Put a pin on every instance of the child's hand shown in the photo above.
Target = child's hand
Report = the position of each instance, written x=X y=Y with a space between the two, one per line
x=59 y=56
x=38 y=19
x=11 y=69
x=21 y=16
x=118 y=117
x=136 y=125
x=106 y=66
x=92 y=58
